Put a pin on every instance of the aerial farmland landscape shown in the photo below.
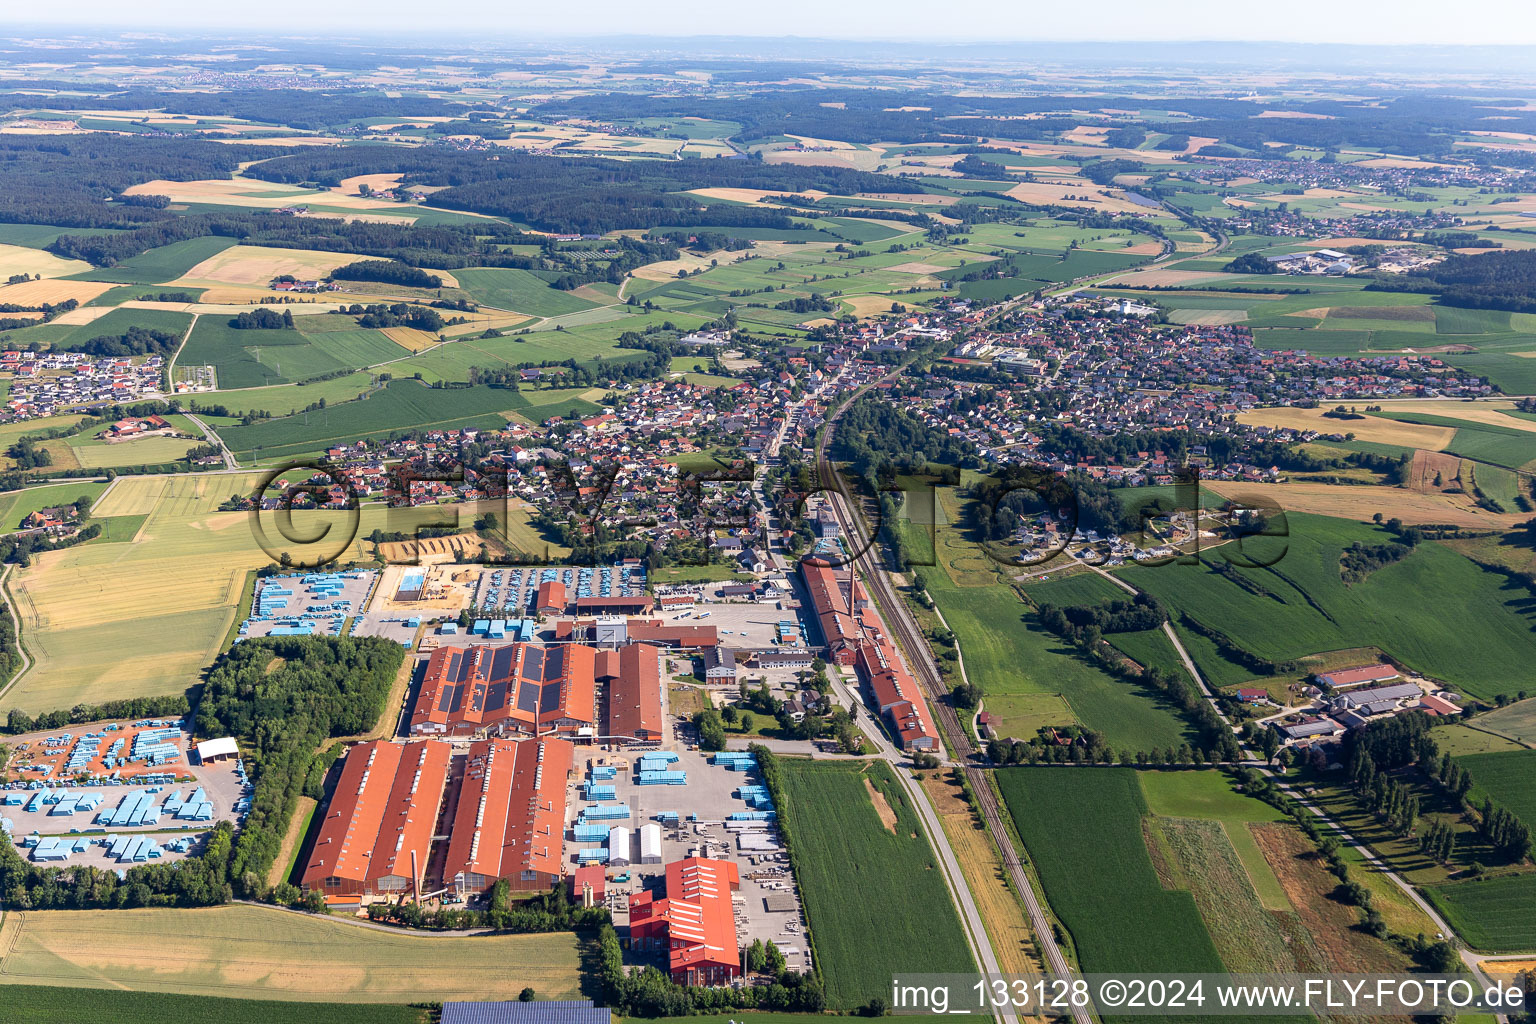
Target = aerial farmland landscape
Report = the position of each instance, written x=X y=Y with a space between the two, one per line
x=521 y=515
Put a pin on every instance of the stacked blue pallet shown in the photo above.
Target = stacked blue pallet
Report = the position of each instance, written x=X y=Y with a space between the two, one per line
x=657 y=760
x=196 y=808
x=670 y=817
x=604 y=771
x=600 y=855
x=661 y=778
x=598 y=791
x=591 y=833
x=12 y=799
x=751 y=816
x=80 y=757
x=604 y=812
x=7 y=826
x=39 y=798
x=52 y=849
x=736 y=760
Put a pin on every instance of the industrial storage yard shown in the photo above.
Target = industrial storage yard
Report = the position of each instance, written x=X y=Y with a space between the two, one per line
x=112 y=794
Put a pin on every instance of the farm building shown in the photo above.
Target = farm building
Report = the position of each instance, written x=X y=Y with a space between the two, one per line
x=517 y=688
x=510 y=818
x=1355 y=676
x=1309 y=728
x=378 y=827
x=1377 y=699
x=695 y=922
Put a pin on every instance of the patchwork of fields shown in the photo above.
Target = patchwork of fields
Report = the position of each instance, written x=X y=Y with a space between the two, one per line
x=1300 y=606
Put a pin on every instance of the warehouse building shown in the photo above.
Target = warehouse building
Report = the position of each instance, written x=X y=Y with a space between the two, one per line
x=1343 y=677
x=378 y=827
x=642 y=631
x=509 y=821
x=517 y=688
x=695 y=922
x=551 y=598
x=634 y=692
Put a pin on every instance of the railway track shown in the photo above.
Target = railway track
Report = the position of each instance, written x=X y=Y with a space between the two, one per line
x=915 y=648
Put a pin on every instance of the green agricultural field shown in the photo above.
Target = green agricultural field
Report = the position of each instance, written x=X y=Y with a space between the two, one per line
x=1082 y=830
x=36 y=1004
x=518 y=290
x=1508 y=777
x=1517 y=721
x=849 y=863
x=287 y=399
x=402 y=405
x=255 y=358
x=1300 y=606
x=255 y=952
x=168 y=262
x=118 y=321
x=40 y=236
x=1493 y=914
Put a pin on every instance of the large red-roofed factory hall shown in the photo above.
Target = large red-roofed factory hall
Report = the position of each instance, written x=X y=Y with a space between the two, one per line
x=695 y=922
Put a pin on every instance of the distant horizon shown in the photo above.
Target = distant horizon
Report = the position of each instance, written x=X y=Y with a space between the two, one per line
x=1491 y=23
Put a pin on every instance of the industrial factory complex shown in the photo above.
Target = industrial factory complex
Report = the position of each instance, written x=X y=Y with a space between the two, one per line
x=537 y=745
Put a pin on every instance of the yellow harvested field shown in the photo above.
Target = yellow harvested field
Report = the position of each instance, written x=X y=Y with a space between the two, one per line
x=666 y=270
x=872 y=305
x=1369 y=428
x=918 y=268
x=751 y=195
x=139 y=619
x=20 y=259
x=1139 y=249
x=1180 y=278
x=1490 y=413
x=80 y=315
x=259 y=195
x=410 y=338
x=1525 y=966
x=51 y=290
x=498 y=322
x=265 y=953
x=1362 y=501
x=258 y=264
x=1083 y=194
x=377 y=182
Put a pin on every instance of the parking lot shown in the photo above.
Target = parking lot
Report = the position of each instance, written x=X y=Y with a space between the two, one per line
x=708 y=795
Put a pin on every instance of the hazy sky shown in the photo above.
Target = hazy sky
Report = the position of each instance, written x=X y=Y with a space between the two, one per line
x=1334 y=21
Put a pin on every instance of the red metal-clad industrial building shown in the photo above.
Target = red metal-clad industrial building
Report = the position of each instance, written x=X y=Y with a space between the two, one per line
x=862 y=643
x=551 y=598
x=515 y=688
x=510 y=818
x=830 y=601
x=695 y=922
x=383 y=811
x=634 y=695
